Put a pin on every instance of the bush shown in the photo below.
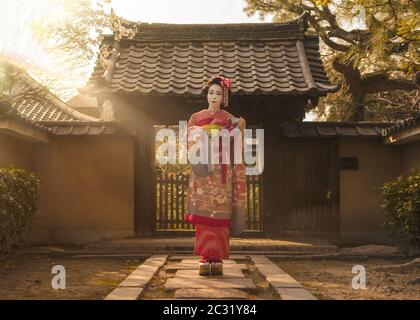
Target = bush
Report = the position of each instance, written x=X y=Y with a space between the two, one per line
x=401 y=204
x=18 y=195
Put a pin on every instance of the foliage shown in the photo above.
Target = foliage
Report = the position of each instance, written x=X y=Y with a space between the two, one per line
x=79 y=32
x=370 y=47
x=65 y=38
x=17 y=86
x=380 y=107
x=18 y=195
x=8 y=71
x=401 y=204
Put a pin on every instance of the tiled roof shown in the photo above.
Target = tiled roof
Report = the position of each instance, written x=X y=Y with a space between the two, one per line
x=333 y=129
x=36 y=103
x=39 y=108
x=7 y=112
x=407 y=123
x=260 y=58
x=84 y=128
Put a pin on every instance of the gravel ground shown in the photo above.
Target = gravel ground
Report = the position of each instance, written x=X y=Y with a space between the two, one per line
x=332 y=279
x=28 y=276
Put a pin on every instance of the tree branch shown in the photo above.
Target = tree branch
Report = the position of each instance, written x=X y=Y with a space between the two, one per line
x=380 y=82
x=323 y=34
x=351 y=75
x=337 y=31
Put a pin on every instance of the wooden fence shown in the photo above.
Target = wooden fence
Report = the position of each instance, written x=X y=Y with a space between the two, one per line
x=171 y=193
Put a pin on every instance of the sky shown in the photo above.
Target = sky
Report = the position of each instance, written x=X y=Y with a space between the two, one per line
x=18 y=42
x=16 y=38
x=184 y=11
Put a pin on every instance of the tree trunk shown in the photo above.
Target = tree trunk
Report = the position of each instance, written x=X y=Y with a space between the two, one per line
x=357 y=111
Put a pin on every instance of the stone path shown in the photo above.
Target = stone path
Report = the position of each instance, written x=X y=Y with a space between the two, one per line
x=186 y=283
x=287 y=288
x=178 y=245
x=134 y=284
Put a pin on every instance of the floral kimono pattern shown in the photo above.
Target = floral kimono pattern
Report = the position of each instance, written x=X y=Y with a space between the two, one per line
x=212 y=199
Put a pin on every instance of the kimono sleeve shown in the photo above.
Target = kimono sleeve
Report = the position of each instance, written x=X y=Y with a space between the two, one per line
x=191 y=122
x=190 y=126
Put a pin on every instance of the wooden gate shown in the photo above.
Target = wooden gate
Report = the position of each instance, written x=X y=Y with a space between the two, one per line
x=304 y=188
x=171 y=192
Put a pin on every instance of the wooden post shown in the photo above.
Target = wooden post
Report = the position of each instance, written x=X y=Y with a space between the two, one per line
x=145 y=195
x=270 y=144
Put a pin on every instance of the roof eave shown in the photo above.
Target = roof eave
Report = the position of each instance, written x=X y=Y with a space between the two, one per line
x=313 y=92
x=317 y=129
x=21 y=130
x=403 y=136
x=168 y=32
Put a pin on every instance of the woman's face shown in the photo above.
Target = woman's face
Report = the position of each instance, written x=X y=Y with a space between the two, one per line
x=215 y=96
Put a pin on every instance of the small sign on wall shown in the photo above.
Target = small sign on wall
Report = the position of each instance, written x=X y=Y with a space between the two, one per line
x=349 y=163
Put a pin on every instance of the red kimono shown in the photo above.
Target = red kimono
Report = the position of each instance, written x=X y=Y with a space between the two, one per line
x=211 y=199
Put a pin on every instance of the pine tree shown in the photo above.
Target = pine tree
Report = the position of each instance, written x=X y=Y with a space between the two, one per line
x=370 y=47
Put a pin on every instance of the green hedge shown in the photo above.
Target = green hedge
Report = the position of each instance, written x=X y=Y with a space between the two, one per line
x=18 y=194
x=401 y=204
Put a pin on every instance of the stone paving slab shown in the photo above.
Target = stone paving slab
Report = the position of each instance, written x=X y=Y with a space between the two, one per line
x=268 y=270
x=211 y=293
x=283 y=281
x=227 y=273
x=134 y=283
x=295 y=294
x=227 y=261
x=114 y=255
x=267 y=267
x=279 y=279
x=194 y=266
x=261 y=260
x=124 y=293
x=143 y=274
x=210 y=282
x=190 y=257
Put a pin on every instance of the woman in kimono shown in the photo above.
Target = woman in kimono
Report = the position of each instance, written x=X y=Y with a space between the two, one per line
x=216 y=195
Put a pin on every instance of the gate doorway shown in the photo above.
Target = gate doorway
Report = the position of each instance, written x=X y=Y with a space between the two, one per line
x=171 y=185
